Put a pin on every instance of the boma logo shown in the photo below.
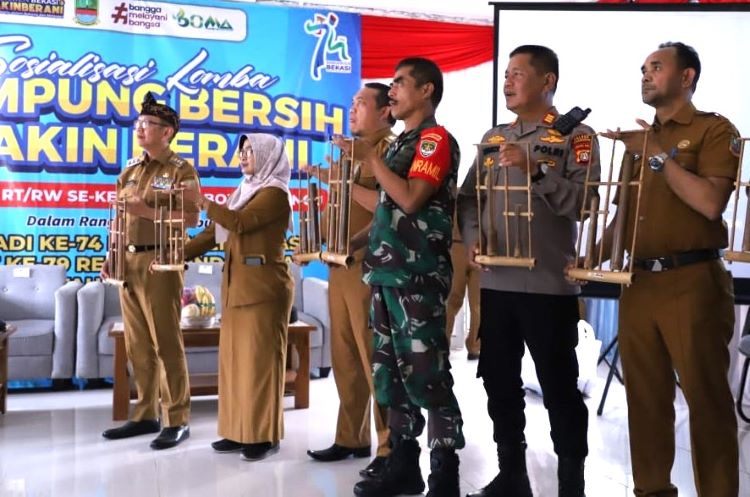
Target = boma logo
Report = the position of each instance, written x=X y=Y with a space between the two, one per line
x=199 y=22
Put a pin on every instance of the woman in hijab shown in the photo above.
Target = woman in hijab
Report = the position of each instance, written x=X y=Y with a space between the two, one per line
x=256 y=297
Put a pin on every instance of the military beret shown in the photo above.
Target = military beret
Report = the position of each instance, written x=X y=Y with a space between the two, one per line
x=150 y=107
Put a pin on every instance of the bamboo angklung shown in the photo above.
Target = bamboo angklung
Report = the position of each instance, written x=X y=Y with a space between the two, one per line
x=309 y=220
x=592 y=267
x=116 y=244
x=740 y=187
x=488 y=174
x=169 y=230
x=340 y=184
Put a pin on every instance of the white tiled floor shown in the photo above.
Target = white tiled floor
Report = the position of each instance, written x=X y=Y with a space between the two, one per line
x=51 y=446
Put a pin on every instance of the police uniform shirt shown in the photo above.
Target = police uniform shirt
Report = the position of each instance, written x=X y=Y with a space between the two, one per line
x=413 y=250
x=556 y=203
x=704 y=143
x=143 y=176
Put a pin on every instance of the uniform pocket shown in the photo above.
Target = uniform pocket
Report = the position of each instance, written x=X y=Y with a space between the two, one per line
x=687 y=160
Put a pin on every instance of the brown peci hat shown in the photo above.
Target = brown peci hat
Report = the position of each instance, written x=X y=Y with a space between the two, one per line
x=150 y=107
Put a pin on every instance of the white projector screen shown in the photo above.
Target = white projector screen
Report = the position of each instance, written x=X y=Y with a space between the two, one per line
x=602 y=47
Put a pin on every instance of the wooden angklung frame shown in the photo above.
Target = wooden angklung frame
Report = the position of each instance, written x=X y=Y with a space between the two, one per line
x=590 y=257
x=491 y=179
x=116 y=244
x=169 y=230
x=739 y=234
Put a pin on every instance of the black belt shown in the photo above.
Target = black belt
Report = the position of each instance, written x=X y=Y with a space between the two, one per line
x=667 y=262
x=134 y=249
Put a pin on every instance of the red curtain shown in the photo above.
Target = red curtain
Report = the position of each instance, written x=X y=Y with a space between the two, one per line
x=453 y=46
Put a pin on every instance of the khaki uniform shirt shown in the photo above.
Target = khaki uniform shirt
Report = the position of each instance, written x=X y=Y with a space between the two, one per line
x=143 y=176
x=556 y=204
x=704 y=143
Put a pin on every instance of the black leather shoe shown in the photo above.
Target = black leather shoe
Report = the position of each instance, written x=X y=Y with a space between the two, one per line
x=337 y=452
x=373 y=469
x=133 y=429
x=256 y=452
x=226 y=445
x=170 y=437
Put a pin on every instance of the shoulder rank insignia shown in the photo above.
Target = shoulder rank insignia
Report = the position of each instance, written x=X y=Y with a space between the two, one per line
x=177 y=161
x=134 y=161
x=549 y=118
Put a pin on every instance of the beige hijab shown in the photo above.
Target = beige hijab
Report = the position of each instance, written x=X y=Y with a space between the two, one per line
x=271 y=170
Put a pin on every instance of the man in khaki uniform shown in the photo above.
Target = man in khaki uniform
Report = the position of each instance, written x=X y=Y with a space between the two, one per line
x=151 y=301
x=465 y=277
x=678 y=314
x=349 y=302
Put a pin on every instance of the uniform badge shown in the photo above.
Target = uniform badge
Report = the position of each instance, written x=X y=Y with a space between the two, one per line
x=552 y=137
x=582 y=148
x=735 y=146
x=162 y=183
x=549 y=118
x=683 y=144
x=496 y=139
x=488 y=161
x=427 y=148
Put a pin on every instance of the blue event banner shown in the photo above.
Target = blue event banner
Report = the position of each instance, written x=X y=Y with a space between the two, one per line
x=74 y=73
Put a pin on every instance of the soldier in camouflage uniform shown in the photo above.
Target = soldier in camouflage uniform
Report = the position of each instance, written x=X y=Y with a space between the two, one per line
x=408 y=266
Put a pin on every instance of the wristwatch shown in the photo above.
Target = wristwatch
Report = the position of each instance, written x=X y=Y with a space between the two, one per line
x=656 y=162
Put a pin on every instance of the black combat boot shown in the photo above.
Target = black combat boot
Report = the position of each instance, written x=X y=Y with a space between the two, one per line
x=512 y=480
x=570 y=482
x=443 y=479
x=401 y=474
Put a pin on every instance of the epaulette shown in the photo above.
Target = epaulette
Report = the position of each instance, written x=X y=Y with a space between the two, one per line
x=134 y=161
x=177 y=161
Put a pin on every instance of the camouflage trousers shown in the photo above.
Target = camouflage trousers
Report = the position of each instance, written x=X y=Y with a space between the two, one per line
x=410 y=365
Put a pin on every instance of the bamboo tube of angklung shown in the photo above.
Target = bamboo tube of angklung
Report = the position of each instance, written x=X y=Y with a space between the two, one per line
x=618 y=238
x=491 y=230
x=517 y=245
x=746 y=228
x=313 y=218
x=588 y=261
x=343 y=220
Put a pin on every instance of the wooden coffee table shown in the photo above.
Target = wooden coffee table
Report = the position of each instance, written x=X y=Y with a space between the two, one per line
x=4 y=335
x=297 y=381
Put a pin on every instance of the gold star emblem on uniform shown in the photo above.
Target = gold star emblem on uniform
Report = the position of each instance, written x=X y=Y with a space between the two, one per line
x=488 y=161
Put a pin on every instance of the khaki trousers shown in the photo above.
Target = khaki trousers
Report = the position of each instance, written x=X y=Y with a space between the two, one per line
x=153 y=340
x=680 y=321
x=351 y=357
x=464 y=277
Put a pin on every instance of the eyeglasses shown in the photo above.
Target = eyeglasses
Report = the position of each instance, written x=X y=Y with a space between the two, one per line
x=145 y=124
x=245 y=153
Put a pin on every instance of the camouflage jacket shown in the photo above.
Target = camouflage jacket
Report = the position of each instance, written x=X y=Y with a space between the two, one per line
x=413 y=250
